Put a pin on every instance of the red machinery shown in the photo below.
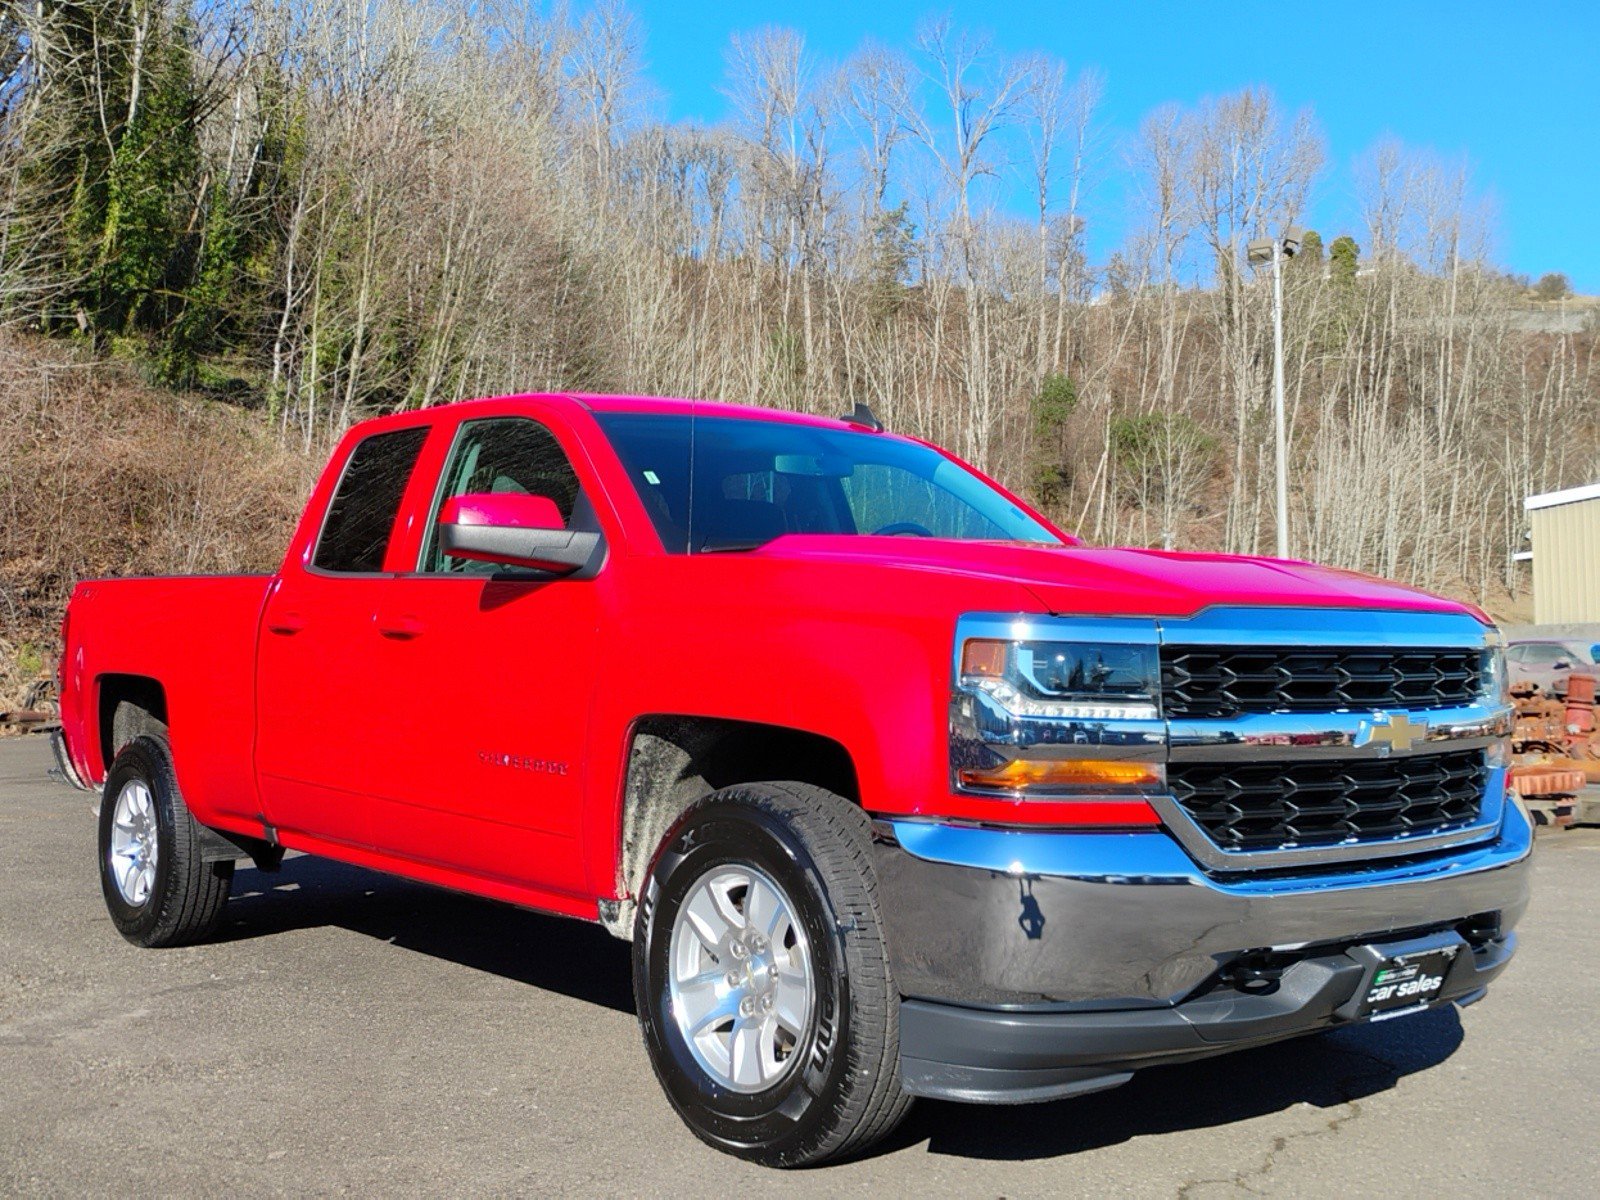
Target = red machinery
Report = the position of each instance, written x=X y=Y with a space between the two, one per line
x=1557 y=755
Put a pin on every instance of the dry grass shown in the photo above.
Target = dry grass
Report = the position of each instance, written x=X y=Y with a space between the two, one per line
x=101 y=475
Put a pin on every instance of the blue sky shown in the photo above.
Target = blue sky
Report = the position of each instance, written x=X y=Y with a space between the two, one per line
x=1513 y=87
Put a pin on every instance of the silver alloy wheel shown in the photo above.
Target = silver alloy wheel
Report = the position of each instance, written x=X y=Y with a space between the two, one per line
x=740 y=978
x=134 y=845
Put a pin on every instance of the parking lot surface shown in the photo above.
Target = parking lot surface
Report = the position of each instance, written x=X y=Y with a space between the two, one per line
x=354 y=1033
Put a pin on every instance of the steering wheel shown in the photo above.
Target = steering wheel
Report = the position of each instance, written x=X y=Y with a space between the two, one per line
x=902 y=529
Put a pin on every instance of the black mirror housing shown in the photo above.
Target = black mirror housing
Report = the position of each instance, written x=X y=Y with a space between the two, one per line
x=559 y=551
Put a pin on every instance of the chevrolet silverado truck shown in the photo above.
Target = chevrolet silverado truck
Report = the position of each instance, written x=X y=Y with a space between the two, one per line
x=897 y=789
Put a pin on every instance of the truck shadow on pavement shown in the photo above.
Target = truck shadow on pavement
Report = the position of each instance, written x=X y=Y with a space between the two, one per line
x=581 y=960
x=1329 y=1072
x=572 y=958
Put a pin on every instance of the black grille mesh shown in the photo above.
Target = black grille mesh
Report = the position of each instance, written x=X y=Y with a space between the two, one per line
x=1207 y=682
x=1261 y=806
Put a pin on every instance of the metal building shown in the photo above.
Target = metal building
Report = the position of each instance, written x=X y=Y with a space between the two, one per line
x=1566 y=554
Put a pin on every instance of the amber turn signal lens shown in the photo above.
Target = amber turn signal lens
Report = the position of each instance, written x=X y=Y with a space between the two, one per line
x=1023 y=773
x=984 y=657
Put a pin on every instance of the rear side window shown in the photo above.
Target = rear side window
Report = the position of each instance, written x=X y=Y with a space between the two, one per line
x=355 y=535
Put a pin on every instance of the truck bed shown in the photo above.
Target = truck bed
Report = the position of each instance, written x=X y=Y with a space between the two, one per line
x=198 y=635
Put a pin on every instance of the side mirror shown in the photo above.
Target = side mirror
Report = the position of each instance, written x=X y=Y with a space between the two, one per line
x=515 y=530
x=1563 y=664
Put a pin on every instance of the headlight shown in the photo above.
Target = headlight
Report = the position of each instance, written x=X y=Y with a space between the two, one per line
x=1066 y=679
x=1495 y=688
x=1495 y=681
x=1046 y=718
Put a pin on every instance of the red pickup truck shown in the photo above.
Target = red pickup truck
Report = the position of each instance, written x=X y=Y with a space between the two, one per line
x=897 y=789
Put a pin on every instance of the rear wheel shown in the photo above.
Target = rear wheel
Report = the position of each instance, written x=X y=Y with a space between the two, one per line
x=761 y=978
x=157 y=886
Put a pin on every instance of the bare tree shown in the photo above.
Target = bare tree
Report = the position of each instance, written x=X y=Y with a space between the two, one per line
x=415 y=202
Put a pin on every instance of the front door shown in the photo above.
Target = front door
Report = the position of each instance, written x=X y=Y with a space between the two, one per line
x=487 y=678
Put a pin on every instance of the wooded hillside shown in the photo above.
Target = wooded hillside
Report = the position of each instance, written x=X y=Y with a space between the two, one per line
x=314 y=210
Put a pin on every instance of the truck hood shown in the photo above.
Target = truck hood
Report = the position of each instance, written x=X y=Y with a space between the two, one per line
x=1088 y=580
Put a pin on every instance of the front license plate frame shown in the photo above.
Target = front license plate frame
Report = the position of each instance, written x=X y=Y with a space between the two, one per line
x=1403 y=983
x=1402 y=976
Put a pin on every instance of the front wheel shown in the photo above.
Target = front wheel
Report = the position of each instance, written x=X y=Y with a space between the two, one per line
x=158 y=888
x=762 y=980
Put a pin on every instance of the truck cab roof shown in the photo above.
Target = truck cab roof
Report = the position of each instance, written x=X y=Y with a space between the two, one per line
x=605 y=402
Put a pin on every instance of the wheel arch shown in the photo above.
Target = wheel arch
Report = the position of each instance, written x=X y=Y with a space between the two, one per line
x=674 y=760
x=126 y=707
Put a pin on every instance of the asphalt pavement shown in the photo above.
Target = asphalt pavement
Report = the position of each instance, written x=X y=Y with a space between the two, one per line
x=354 y=1033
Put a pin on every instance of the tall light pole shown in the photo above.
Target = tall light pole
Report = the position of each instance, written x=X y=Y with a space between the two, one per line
x=1259 y=252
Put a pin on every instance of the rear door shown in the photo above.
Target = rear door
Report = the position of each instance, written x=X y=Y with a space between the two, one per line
x=317 y=663
x=486 y=679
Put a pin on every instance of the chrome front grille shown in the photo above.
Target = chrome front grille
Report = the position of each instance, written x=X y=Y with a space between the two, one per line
x=1252 y=805
x=1216 y=682
x=1304 y=738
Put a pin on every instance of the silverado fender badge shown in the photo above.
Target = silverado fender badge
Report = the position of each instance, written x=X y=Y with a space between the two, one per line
x=521 y=762
x=1388 y=732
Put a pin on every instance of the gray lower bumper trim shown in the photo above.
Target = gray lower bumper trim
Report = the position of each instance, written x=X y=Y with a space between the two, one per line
x=954 y=1053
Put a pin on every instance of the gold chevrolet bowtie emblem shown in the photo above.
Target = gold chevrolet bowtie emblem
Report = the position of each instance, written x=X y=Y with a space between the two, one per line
x=1391 y=732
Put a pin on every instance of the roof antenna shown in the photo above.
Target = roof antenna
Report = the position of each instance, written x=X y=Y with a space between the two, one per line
x=863 y=416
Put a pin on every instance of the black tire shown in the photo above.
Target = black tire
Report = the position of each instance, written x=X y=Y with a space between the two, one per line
x=844 y=1091
x=187 y=895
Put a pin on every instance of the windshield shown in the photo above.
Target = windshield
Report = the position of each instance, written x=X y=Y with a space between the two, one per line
x=752 y=481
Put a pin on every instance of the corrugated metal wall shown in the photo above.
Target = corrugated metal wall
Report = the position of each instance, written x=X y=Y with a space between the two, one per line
x=1566 y=562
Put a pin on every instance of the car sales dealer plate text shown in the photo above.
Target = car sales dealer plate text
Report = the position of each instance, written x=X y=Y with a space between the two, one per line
x=1406 y=982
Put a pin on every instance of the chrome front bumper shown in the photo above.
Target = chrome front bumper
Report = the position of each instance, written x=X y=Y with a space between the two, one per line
x=1113 y=921
x=1040 y=965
